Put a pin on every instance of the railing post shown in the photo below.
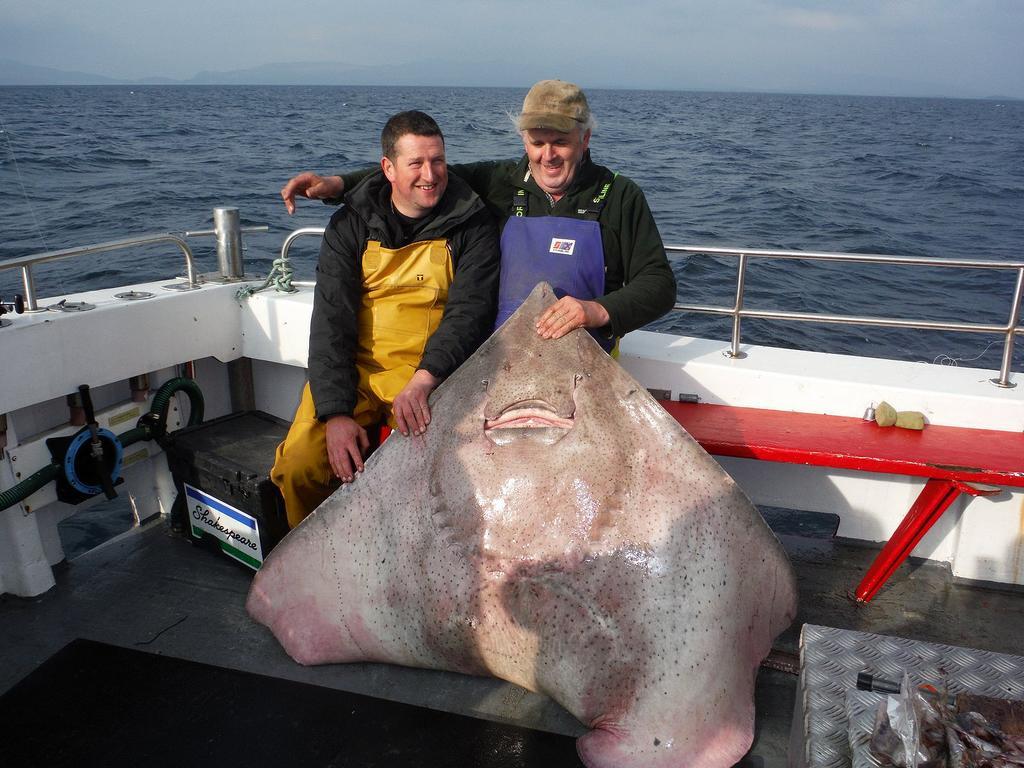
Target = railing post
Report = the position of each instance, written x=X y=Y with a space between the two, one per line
x=741 y=278
x=1004 y=369
x=30 y=289
x=229 y=243
x=286 y=246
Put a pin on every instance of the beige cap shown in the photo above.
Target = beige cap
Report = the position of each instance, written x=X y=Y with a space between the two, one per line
x=554 y=104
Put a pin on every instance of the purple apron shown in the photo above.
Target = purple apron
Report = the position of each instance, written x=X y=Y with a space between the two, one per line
x=565 y=252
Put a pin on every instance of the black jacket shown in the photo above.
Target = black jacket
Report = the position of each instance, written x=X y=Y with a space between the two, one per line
x=462 y=219
x=639 y=283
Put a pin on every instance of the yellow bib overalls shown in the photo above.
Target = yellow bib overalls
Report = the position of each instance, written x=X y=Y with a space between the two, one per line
x=404 y=293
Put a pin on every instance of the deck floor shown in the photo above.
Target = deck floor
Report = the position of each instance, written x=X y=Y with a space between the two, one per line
x=150 y=590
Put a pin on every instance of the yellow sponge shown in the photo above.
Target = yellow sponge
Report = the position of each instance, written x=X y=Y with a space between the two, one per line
x=887 y=416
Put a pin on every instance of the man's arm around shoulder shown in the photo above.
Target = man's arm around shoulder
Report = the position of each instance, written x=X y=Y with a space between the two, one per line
x=313 y=186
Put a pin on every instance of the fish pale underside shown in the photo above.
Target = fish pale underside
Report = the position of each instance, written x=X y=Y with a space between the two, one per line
x=556 y=528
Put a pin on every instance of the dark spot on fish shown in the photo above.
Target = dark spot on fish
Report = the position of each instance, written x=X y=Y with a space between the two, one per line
x=507 y=366
x=657 y=742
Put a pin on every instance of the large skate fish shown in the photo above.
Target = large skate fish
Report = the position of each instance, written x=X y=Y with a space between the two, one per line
x=556 y=528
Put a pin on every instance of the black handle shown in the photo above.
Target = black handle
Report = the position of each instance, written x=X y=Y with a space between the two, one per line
x=17 y=306
x=868 y=682
x=90 y=416
x=96 y=445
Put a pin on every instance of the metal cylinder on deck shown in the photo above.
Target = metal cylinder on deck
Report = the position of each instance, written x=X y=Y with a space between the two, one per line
x=76 y=410
x=229 y=243
x=30 y=289
x=139 y=386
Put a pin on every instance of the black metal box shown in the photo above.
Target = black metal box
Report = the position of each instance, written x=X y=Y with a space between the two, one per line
x=225 y=497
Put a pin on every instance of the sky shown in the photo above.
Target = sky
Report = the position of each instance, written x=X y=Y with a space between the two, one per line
x=960 y=48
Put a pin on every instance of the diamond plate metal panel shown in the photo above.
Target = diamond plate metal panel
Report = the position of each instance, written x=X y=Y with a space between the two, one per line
x=830 y=660
x=861 y=710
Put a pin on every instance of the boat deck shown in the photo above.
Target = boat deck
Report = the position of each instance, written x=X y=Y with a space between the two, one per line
x=150 y=590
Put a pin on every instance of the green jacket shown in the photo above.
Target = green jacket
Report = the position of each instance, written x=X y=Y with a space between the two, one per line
x=462 y=219
x=639 y=284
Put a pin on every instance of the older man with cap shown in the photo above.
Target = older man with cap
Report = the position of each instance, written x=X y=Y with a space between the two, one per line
x=584 y=229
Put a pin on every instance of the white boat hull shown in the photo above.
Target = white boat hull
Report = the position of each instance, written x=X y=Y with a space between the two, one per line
x=55 y=352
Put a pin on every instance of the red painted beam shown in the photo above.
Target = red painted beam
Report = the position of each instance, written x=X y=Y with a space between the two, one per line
x=947 y=453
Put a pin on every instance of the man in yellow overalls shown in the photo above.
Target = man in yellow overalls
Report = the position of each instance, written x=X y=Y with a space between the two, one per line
x=406 y=291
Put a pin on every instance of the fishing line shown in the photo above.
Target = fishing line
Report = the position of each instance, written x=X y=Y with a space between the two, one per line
x=24 y=193
x=21 y=182
x=945 y=359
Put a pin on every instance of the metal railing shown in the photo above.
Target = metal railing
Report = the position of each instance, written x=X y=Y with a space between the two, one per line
x=738 y=311
x=229 y=253
x=25 y=263
x=286 y=246
x=228 y=233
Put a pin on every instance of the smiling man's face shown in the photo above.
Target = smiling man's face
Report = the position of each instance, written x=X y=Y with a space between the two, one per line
x=554 y=157
x=418 y=174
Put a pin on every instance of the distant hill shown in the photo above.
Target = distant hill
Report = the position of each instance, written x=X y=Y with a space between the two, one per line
x=435 y=72
x=440 y=72
x=16 y=73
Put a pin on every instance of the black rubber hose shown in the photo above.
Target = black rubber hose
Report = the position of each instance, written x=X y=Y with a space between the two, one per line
x=134 y=435
x=153 y=426
x=162 y=399
x=28 y=486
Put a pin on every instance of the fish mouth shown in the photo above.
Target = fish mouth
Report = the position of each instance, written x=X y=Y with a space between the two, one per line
x=533 y=420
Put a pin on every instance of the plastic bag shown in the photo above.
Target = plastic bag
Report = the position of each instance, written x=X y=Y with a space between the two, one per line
x=909 y=730
x=926 y=728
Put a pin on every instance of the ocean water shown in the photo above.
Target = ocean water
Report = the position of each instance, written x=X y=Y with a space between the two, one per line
x=922 y=177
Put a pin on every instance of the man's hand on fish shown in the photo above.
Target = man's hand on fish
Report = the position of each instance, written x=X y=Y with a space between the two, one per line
x=346 y=444
x=412 y=414
x=312 y=186
x=568 y=314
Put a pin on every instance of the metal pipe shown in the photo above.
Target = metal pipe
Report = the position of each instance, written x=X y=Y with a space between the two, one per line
x=139 y=386
x=76 y=410
x=1011 y=329
x=737 y=309
x=737 y=312
x=295 y=235
x=853 y=258
x=807 y=317
x=229 y=243
x=228 y=231
x=29 y=284
x=213 y=232
x=26 y=262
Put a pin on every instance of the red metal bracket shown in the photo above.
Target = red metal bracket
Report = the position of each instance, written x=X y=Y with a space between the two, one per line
x=934 y=499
